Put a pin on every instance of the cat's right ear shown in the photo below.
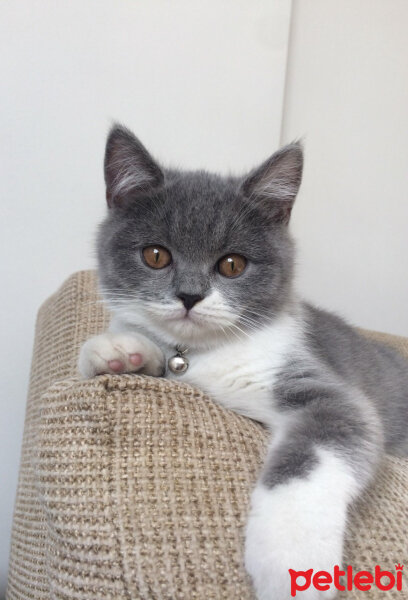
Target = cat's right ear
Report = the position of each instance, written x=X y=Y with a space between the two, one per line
x=275 y=184
x=130 y=171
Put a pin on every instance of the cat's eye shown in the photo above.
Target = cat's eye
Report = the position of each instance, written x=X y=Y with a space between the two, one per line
x=156 y=257
x=232 y=265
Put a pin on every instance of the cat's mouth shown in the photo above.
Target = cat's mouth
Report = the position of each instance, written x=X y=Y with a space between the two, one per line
x=191 y=327
x=193 y=317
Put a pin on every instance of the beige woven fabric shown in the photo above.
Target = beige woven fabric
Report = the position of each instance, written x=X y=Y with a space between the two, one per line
x=64 y=321
x=137 y=488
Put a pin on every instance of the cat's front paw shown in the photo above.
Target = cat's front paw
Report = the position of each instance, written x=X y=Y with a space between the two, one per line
x=120 y=353
x=283 y=535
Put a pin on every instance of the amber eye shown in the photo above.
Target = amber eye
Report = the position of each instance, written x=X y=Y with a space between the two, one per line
x=156 y=257
x=232 y=265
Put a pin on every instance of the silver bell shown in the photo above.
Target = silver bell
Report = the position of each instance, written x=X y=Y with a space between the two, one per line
x=178 y=364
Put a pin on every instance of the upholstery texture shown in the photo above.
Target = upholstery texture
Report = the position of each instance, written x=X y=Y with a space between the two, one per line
x=137 y=488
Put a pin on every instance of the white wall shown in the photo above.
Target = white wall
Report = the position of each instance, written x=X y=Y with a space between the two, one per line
x=347 y=93
x=200 y=82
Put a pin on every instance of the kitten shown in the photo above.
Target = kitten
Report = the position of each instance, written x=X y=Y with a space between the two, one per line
x=204 y=262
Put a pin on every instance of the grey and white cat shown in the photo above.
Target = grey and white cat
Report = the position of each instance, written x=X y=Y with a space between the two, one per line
x=205 y=262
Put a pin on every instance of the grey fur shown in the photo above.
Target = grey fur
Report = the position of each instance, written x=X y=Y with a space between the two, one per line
x=351 y=395
x=343 y=391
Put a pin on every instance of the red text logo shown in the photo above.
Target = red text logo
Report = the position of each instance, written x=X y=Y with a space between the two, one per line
x=360 y=580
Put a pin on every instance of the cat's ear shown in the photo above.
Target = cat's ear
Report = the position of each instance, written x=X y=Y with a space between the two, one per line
x=129 y=169
x=275 y=184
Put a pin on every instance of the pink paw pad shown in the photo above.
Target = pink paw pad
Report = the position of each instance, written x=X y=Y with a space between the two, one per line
x=136 y=359
x=116 y=365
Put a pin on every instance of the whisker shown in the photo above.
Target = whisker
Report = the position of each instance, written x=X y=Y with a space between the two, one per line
x=234 y=325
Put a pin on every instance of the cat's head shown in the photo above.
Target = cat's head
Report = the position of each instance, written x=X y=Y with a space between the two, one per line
x=192 y=256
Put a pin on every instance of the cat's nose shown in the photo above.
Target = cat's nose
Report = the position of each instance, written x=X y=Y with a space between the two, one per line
x=189 y=300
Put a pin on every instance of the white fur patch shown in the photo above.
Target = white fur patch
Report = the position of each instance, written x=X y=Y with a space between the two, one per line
x=299 y=525
x=238 y=371
x=237 y=368
x=240 y=375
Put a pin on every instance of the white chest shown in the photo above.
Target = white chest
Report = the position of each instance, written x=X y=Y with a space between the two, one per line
x=240 y=375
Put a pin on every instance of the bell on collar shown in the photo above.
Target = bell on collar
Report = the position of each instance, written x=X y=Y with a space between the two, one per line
x=178 y=363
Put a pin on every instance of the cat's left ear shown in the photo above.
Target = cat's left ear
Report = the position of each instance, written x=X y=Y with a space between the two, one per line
x=275 y=184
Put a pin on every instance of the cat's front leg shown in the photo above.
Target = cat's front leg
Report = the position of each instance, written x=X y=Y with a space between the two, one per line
x=118 y=352
x=315 y=468
x=298 y=525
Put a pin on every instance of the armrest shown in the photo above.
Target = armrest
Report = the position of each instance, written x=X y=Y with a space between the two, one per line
x=145 y=483
x=65 y=320
x=395 y=341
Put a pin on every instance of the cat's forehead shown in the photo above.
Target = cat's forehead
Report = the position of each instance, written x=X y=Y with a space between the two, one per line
x=192 y=189
x=205 y=211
